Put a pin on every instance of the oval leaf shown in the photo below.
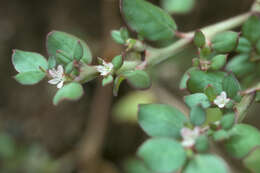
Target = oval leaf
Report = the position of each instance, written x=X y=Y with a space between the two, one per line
x=149 y=21
x=161 y=120
x=28 y=61
x=206 y=163
x=251 y=29
x=196 y=99
x=225 y=42
x=178 y=6
x=30 y=77
x=71 y=91
x=61 y=41
x=138 y=79
x=243 y=139
x=197 y=115
x=252 y=161
x=162 y=154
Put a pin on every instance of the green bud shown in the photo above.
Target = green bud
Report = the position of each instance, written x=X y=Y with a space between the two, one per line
x=199 y=39
x=117 y=62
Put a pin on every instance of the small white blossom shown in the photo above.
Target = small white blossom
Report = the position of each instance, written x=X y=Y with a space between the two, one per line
x=105 y=69
x=189 y=136
x=58 y=76
x=222 y=100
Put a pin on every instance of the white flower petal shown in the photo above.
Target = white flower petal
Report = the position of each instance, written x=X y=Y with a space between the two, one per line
x=188 y=143
x=60 y=69
x=54 y=81
x=60 y=85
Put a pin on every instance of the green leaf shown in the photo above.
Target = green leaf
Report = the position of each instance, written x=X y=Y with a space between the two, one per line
x=243 y=139
x=202 y=143
x=117 y=82
x=71 y=91
x=185 y=78
x=196 y=99
x=225 y=42
x=57 y=40
x=162 y=154
x=211 y=93
x=161 y=120
x=252 y=161
x=117 y=62
x=178 y=6
x=135 y=166
x=107 y=80
x=30 y=77
x=218 y=62
x=220 y=135
x=199 y=39
x=197 y=115
x=69 y=67
x=116 y=35
x=147 y=20
x=213 y=115
x=240 y=65
x=231 y=86
x=52 y=62
x=244 y=46
x=227 y=121
x=78 y=51
x=205 y=163
x=28 y=61
x=251 y=29
x=199 y=80
x=138 y=79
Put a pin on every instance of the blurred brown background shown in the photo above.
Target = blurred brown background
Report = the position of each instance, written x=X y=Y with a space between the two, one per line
x=27 y=113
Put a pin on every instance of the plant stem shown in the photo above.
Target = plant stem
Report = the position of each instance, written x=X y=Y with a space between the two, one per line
x=157 y=55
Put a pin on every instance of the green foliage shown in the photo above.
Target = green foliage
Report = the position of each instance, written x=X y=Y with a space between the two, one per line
x=52 y=62
x=161 y=120
x=117 y=61
x=138 y=79
x=231 y=86
x=69 y=46
x=30 y=66
x=199 y=39
x=148 y=20
x=107 y=80
x=197 y=115
x=252 y=161
x=196 y=99
x=202 y=143
x=202 y=163
x=162 y=154
x=227 y=121
x=211 y=93
x=199 y=80
x=120 y=36
x=28 y=61
x=30 y=77
x=71 y=91
x=218 y=62
x=135 y=166
x=257 y=99
x=243 y=139
x=225 y=42
x=240 y=65
x=185 y=78
x=213 y=115
x=220 y=135
x=251 y=29
x=244 y=45
x=178 y=6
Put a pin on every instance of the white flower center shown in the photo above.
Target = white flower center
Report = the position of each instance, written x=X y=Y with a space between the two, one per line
x=58 y=76
x=189 y=136
x=221 y=100
x=105 y=69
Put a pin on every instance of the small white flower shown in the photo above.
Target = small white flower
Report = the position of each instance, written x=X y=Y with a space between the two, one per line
x=189 y=136
x=105 y=69
x=222 y=100
x=58 y=76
